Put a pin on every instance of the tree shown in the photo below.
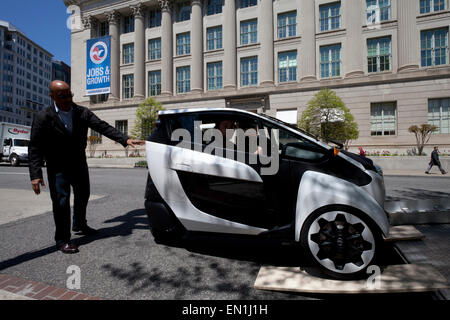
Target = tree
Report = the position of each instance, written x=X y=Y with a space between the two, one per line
x=423 y=135
x=146 y=115
x=93 y=141
x=327 y=117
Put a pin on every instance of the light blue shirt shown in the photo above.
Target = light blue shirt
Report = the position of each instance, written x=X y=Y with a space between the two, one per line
x=66 y=117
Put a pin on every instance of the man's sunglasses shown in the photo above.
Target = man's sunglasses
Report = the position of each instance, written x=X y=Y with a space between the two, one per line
x=64 y=96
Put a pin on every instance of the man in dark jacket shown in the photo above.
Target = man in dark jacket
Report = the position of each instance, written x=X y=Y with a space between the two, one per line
x=435 y=161
x=59 y=136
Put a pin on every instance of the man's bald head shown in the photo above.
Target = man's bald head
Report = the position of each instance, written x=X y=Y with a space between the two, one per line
x=61 y=94
x=58 y=85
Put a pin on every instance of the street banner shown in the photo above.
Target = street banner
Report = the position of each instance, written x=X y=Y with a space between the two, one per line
x=98 y=63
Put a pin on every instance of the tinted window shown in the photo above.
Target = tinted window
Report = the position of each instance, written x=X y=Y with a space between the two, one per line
x=21 y=143
x=294 y=146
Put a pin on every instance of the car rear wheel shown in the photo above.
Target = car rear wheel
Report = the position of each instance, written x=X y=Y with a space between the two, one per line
x=342 y=241
x=14 y=160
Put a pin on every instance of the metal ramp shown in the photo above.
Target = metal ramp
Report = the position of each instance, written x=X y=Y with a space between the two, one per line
x=404 y=278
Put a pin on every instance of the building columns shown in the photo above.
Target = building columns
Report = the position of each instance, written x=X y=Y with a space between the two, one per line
x=139 y=51
x=166 y=48
x=408 y=44
x=354 y=40
x=197 y=46
x=229 y=45
x=113 y=20
x=307 y=54
x=265 y=25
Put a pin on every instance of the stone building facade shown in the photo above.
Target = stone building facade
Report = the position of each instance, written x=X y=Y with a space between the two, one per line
x=387 y=59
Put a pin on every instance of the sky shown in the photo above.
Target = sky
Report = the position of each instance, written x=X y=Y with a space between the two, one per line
x=43 y=22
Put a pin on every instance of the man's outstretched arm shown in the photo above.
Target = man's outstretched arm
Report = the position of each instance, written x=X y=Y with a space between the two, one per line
x=109 y=131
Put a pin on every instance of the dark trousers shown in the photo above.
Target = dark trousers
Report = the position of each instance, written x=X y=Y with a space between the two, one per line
x=438 y=165
x=59 y=183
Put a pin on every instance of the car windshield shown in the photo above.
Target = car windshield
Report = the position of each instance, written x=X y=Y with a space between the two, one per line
x=293 y=126
x=21 y=143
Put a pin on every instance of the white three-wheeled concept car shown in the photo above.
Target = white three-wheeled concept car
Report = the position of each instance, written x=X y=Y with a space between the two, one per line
x=235 y=172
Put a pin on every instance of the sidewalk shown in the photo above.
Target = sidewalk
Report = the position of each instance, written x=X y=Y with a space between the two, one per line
x=416 y=173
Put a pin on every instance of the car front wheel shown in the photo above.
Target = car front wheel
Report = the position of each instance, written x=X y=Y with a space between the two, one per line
x=342 y=241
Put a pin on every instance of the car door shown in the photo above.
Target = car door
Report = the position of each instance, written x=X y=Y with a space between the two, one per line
x=197 y=185
x=235 y=198
x=7 y=144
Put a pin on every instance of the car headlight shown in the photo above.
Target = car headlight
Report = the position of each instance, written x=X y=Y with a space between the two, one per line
x=378 y=170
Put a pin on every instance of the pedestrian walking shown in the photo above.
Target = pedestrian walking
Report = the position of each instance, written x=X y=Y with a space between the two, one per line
x=59 y=136
x=435 y=161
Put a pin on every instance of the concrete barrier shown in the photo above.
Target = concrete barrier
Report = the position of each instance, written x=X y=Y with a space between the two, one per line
x=407 y=163
x=113 y=162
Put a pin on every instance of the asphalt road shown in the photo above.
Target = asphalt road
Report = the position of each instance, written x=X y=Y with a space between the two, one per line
x=124 y=262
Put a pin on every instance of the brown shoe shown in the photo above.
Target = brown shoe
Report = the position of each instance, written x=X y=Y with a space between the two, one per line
x=68 y=248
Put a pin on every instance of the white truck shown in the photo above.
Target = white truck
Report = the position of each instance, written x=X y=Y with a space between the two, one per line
x=14 y=141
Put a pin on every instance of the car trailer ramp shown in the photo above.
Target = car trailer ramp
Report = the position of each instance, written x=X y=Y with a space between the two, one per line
x=392 y=279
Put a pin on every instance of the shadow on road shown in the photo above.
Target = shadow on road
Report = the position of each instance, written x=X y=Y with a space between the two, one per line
x=136 y=219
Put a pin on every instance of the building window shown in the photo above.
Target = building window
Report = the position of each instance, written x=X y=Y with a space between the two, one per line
x=183 y=43
x=215 y=76
x=330 y=61
x=379 y=54
x=214 y=7
x=184 y=11
x=249 y=31
x=287 y=25
x=128 y=86
x=97 y=135
x=248 y=3
x=434 y=47
x=155 y=18
x=154 y=49
x=249 y=71
x=330 y=17
x=122 y=126
x=183 y=79
x=427 y=6
x=103 y=29
x=214 y=38
x=287 y=66
x=128 y=24
x=439 y=114
x=128 y=53
x=383 y=119
x=378 y=10
x=154 y=80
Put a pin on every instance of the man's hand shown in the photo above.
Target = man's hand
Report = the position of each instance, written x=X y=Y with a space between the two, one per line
x=35 y=184
x=135 y=143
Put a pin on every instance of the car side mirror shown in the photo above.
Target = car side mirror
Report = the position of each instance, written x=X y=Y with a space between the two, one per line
x=333 y=152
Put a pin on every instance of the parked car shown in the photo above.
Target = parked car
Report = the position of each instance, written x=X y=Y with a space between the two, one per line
x=329 y=201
